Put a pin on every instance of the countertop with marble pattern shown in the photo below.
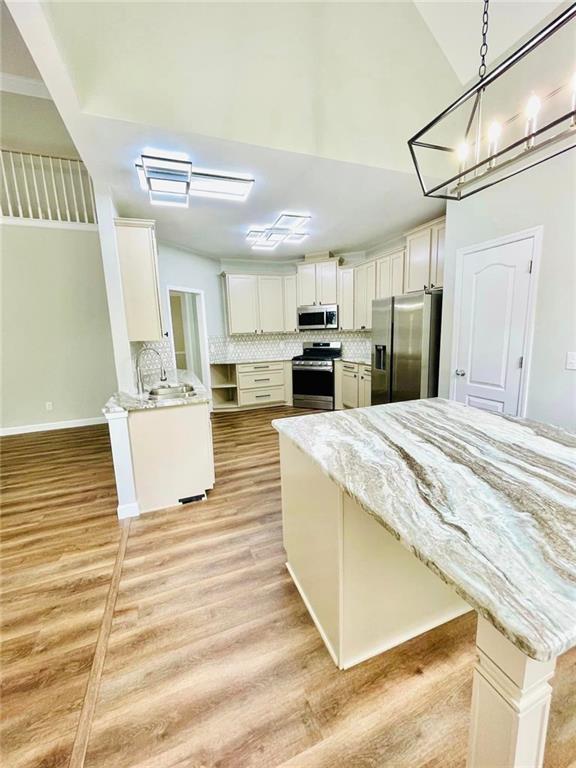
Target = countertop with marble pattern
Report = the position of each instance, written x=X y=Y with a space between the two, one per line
x=487 y=502
x=123 y=401
x=237 y=360
x=357 y=359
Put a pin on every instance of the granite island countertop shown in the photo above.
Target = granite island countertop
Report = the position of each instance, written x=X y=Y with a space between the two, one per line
x=124 y=401
x=487 y=502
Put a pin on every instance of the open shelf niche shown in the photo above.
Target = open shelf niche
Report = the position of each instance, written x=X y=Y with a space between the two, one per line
x=224 y=386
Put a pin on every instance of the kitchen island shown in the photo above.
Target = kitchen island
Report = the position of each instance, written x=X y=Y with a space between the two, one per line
x=463 y=505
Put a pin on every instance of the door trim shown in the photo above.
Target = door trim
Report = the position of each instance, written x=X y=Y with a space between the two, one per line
x=535 y=234
x=202 y=329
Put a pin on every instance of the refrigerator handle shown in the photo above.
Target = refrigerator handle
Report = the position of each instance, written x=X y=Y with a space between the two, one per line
x=380 y=357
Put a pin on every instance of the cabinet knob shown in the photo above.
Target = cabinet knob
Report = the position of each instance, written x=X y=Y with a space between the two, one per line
x=166 y=334
x=460 y=372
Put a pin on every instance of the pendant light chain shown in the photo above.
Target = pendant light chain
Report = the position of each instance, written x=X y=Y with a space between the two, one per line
x=484 y=46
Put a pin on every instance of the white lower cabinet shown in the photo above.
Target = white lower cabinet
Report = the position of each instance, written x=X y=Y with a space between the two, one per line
x=352 y=386
x=349 y=385
x=364 y=386
x=251 y=385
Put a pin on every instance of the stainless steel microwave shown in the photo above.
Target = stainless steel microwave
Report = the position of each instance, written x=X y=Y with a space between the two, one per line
x=319 y=317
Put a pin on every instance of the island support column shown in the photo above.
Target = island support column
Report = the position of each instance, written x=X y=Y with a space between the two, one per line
x=510 y=704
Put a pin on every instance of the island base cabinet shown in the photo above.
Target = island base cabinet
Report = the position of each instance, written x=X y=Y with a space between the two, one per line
x=172 y=454
x=365 y=592
x=510 y=704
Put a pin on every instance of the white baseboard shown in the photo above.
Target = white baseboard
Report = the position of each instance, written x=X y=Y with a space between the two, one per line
x=47 y=427
x=128 y=510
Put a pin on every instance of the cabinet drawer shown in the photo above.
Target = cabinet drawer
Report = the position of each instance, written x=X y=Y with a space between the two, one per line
x=256 y=367
x=350 y=367
x=261 y=379
x=261 y=396
x=366 y=371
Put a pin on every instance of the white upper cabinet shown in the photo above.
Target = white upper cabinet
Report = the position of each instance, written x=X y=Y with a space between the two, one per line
x=136 y=243
x=397 y=273
x=306 y=277
x=383 y=278
x=425 y=257
x=437 y=257
x=318 y=283
x=327 y=282
x=418 y=260
x=346 y=299
x=271 y=303
x=290 y=304
x=364 y=294
x=242 y=301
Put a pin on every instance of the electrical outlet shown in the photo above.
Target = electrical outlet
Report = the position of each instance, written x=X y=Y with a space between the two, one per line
x=49 y=405
x=571 y=361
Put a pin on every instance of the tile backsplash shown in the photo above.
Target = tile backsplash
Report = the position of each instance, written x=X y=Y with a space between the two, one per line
x=283 y=345
x=252 y=347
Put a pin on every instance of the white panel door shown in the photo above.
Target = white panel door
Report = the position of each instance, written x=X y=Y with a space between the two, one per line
x=493 y=313
x=242 y=294
x=306 y=285
x=327 y=282
x=418 y=261
x=346 y=300
x=383 y=278
x=397 y=274
x=290 y=317
x=271 y=303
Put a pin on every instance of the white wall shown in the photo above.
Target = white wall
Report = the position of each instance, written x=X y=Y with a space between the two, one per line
x=184 y=269
x=545 y=196
x=55 y=332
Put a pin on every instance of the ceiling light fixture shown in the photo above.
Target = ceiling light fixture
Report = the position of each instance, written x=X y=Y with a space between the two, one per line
x=286 y=229
x=544 y=128
x=170 y=181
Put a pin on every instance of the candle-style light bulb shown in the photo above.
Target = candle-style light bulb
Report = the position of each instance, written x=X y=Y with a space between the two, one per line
x=532 y=109
x=494 y=133
x=462 y=152
x=573 y=118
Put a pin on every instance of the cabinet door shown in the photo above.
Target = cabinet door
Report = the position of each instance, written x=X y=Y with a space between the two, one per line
x=418 y=261
x=437 y=271
x=346 y=300
x=397 y=273
x=306 y=285
x=139 y=270
x=326 y=282
x=370 y=291
x=271 y=303
x=383 y=278
x=364 y=390
x=290 y=317
x=349 y=389
x=242 y=294
x=360 y=297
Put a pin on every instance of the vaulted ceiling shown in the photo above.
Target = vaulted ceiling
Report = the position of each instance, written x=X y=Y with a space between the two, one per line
x=317 y=100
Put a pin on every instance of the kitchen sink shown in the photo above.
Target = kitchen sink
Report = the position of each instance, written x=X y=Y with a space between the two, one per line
x=169 y=391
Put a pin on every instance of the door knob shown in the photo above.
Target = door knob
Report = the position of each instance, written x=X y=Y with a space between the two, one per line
x=460 y=372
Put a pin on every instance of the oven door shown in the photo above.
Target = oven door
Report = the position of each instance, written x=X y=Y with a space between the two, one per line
x=311 y=318
x=313 y=387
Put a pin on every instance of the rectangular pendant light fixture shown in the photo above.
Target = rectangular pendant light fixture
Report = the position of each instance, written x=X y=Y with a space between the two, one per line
x=515 y=117
x=168 y=181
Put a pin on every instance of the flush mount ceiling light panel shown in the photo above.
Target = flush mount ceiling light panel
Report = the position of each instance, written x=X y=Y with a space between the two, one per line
x=171 y=182
x=288 y=228
x=514 y=118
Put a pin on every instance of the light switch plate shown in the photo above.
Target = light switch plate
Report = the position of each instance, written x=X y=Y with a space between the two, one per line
x=571 y=361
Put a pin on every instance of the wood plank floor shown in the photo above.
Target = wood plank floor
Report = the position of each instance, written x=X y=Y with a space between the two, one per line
x=178 y=640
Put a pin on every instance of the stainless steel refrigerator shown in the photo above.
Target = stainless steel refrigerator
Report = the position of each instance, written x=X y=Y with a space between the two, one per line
x=406 y=346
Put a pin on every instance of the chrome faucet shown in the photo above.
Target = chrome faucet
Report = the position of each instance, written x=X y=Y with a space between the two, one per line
x=163 y=376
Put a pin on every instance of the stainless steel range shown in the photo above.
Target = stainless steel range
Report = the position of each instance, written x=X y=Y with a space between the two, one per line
x=313 y=375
